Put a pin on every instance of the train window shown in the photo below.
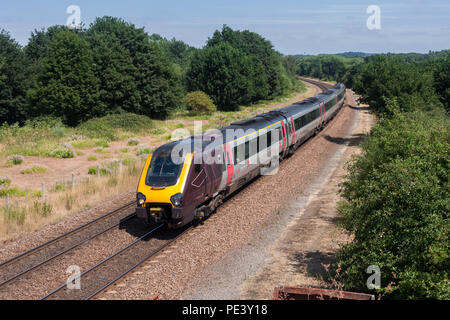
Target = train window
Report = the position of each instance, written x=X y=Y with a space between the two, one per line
x=269 y=138
x=329 y=104
x=197 y=168
x=253 y=147
x=238 y=153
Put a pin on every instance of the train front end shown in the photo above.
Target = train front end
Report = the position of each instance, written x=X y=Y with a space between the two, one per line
x=161 y=186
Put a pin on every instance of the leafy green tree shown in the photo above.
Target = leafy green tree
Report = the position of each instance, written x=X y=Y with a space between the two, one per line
x=39 y=43
x=66 y=86
x=382 y=79
x=397 y=204
x=224 y=73
x=134 y=74
x=177 y=51
x=14 y=80
x=264 y=58
x=442 y=80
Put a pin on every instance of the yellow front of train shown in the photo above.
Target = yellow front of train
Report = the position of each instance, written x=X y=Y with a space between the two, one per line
x=161 y=186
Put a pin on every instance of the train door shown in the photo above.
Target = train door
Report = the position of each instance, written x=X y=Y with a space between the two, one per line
x=293 y=130
x=198 y=182
x=283 y=132
x=229 y=163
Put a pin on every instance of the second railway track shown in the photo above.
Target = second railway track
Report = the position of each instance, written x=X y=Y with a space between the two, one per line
x=97 y=278
x=36 y=257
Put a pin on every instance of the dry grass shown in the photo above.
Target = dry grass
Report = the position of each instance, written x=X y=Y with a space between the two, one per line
x=26 y=214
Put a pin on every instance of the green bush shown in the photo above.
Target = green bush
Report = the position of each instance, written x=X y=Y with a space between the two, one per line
x=397 y=204
x=13 y=192
x=61 y=151
x=107 y=127
x=199 y=103
x=103 y=171
x=14 y=160
x=34 y=169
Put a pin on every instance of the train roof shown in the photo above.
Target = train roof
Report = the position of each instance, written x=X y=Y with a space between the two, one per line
x=262 y=120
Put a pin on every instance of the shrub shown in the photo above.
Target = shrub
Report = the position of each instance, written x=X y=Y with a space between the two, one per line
x=34 y=169
x=92 y=158
x=13 y=192
x=143 y=151
x=61 y=151
x=199 y=103
x=133 y=142
x=4 y=182
x=397 y=204
x=14 y=160
x=103 y=171
x=106 y=127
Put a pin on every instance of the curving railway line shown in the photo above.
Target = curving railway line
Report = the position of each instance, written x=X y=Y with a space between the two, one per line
x=106 y=272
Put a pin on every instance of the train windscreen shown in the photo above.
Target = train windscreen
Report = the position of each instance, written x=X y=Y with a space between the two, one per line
x=164 y=171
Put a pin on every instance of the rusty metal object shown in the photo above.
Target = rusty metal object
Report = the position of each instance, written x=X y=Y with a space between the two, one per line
x=303 y=293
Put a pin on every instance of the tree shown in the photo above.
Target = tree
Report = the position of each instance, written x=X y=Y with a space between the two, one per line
x=397 y=204
x=134 y=74
x=267 y=60
x=442 y=79
x=224 y=73
x=14 y=80
x=66 y=86
x=39 y=43
x=382 y=79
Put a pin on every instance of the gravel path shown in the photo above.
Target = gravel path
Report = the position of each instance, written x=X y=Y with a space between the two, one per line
x=178 y=271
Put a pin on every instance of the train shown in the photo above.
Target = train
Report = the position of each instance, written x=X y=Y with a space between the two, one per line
x=188 y=179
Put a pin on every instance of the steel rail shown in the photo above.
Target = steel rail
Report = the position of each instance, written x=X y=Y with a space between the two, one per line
x=103 y=261
x=136 y=265
x=61 y=237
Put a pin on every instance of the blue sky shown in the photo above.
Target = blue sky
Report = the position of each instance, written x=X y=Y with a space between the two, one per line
x=301 y=27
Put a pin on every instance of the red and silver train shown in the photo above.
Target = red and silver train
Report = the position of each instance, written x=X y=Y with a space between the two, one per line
x=188 y=179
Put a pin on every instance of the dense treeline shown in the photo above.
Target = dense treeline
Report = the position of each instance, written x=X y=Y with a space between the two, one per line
x=326 y=67
x=114 y=67
x=397 y=191
x=406 y=67
x=238 y=67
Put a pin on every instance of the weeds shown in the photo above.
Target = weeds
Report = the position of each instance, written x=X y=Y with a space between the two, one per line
x=34 y=169
x=42 y=209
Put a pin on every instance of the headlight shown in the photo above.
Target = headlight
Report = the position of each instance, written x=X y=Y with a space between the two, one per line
x=140 y=199
x=176 y=199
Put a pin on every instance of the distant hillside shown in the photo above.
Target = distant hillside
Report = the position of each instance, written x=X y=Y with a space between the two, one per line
x=354 y=54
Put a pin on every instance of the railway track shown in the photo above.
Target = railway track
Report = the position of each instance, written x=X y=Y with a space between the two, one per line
x=99 y=277
x=36 y=257
x=321 y=85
